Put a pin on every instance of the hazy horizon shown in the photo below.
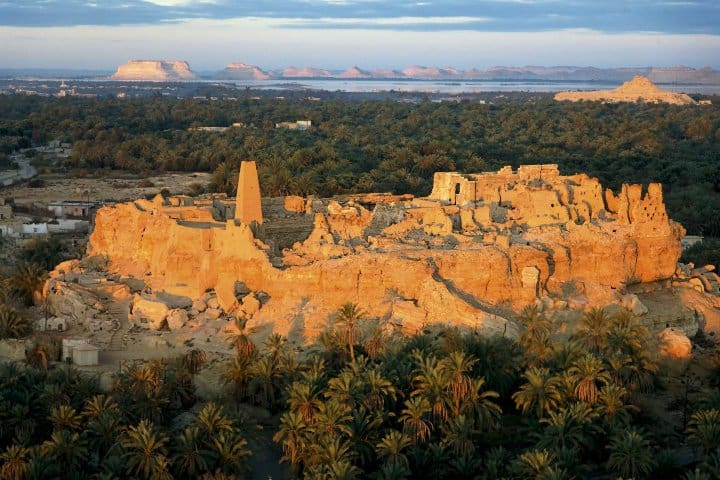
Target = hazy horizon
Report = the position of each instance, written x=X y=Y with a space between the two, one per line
x=337 y=34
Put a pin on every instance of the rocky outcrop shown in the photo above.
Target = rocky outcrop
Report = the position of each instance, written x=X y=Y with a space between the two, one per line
x=305 y=72
x=154 y=71
x=668 y=75
x=639 y=89
x=674 y=344
x=417 y=71
x=480 y=245
x=355 y=72
x=242 y=71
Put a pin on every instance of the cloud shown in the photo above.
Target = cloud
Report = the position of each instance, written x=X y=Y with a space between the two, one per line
x=386 y=22
x=669 y=16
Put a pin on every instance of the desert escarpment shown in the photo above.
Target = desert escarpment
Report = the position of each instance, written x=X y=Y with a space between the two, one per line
x=639 y=89
x=478 y=246
x=154 y=71
x=242 y=71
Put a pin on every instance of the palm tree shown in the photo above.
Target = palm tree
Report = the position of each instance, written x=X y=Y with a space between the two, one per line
x=536 y=336
x=275 y=346
x=539 y=392
x=363 y=431
x=375 y=343
x=231 y=451
x=15 y=463
x=611 y=404
x=593 y=330
x=343 y=470
x=534 y=464
x=212 y=421
x=481 y=404
x=102 y=432
x=27 y=280
x=393 y=471
x=292 y=435
x=66 y=448
x=630 y=454
x=144 y=445
x=391 y=447
x=588 y=372
x=635 y=371
x=345 y=388
x=431 y=380
x=332 y=418
x=495 y=463
x=190 y=456
x=100 y=405
x=458 y=366
x=347 y=321
x=237 y=375
x=379 y=389
x=304 y=399
x=458 y=433
x=65 y=416
x=263 y=383
x=328 y=450
x=413 y=418
x=704 y=429
x=565 y=354
x=568 y=428
x=194 y=360
x=12 y=325
x=241 y=341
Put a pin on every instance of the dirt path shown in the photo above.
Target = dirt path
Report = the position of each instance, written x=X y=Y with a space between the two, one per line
x=120 y=311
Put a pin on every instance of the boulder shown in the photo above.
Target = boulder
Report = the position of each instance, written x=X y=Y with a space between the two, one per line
x=177 y=318
x=135 y=285
x=70 y=300
x=674 y=344
x=213 y=313
x=294 y=204
x=213 y=302
x=697 y=284
x=633 y=303
x=174 y=301
x=154 y=311
x=199 y=305
x=250 y=304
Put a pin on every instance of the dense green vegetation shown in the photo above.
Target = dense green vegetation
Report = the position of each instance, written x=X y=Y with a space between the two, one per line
x=364 y=402
x=21 y=284
x=702 y=253
x=385 y=145
x=58 y=424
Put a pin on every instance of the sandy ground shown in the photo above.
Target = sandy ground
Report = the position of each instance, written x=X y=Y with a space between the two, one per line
x=114 y=189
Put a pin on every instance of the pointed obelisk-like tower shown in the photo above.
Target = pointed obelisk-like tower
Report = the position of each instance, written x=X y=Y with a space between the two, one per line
x=247 y=203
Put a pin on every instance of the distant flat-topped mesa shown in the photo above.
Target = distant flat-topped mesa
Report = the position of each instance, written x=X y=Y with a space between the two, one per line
x=154 y=71
x=242 y=71
x=639 y=89
x=479 y=246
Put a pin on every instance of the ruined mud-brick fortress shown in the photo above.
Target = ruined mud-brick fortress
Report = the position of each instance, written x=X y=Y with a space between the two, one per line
x=479 y=247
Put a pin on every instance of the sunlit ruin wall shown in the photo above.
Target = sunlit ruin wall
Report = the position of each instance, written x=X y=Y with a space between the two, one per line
x=478 y=246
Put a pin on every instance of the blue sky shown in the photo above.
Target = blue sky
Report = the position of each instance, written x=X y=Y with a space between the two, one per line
x=369 y=33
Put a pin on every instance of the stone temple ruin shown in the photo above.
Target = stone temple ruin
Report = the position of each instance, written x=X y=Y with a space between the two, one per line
x=478 y=248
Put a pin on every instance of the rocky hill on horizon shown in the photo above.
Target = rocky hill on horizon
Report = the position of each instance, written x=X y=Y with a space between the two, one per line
x=154 y=70
x=639 y=89
x=242 y=71
x=162 y=70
